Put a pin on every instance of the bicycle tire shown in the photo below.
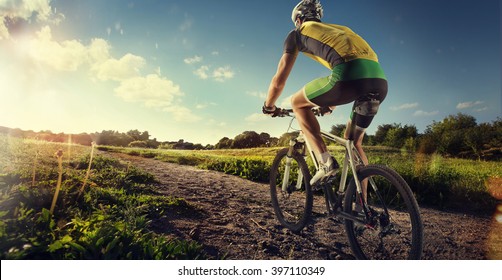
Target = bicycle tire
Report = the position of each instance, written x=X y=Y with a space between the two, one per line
x=396 y=217
x=292 y=207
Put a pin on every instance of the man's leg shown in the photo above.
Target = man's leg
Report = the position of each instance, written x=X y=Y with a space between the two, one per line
x=358 y=144
x=358 y=140
x=308 y=122
x=312 y=131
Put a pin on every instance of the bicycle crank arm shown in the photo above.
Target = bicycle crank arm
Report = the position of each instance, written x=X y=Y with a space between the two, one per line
x=353 y=218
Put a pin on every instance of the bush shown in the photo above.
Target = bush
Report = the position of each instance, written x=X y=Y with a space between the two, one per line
x=138 y=144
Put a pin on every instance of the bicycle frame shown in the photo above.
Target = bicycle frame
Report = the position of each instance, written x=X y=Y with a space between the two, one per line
x=350 y=160
x=350 y=157
x=344 y=204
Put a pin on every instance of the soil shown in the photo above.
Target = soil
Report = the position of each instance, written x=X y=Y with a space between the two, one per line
x=233 y=219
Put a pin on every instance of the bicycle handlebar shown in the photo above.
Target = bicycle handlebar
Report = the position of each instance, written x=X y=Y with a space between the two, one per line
x=318 y=111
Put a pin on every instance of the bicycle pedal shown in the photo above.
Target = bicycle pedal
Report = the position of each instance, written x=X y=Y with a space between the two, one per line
x=317 y=187
x=330 y=180
x=326 y=181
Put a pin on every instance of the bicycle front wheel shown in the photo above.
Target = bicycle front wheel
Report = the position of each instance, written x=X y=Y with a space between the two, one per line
x=290 y=190
x=394 y=228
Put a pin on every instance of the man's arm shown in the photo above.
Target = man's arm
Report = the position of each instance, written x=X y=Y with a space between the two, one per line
x=279 y=80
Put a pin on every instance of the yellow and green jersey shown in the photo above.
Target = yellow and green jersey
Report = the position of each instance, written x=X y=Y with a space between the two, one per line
x=329 y=44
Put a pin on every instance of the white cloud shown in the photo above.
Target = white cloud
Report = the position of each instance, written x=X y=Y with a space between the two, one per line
x=205 y=105
x=222 y=74
x=4 y=32
x=99 y=51
x=469 y=104
x=182 y=114
x=25 y=10
x=404 y=106
x=153 y=91
x=421 y=113
x=202 y=72
x=205 y=72
x=192 y=60
x=65 y=56
x=286 y=102
x=257 y=117
x=69 y=55
x=259 y=94
x=112 y=69
x=41 y=52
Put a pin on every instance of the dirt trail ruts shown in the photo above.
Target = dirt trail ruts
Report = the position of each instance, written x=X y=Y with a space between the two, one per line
x=234 y=219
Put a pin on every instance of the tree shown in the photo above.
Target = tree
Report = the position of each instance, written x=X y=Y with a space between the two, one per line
x=265 y=139
x=224 y=143
x=247 y=139
x=284 y=139
x=138 y=136
x=138 y=144
x=484 y=140
x=398 y=136
x=381 y=134
x=113 y=138
x=134 y=134
x=338 y=130
x=82 y=139
x=449 y=134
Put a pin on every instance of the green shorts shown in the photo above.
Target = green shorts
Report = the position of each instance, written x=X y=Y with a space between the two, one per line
x=359 y=80
x=359 y=69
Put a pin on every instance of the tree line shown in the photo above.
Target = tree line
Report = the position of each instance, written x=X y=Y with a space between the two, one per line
x=456 y=135
x=131 y=138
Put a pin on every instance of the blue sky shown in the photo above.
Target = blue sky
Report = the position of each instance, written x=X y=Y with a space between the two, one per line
x=199 y=70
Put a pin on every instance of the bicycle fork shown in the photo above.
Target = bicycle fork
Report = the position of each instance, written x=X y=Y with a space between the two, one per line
x=293 y=143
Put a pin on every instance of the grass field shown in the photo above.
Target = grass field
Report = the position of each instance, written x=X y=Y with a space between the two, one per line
x=112 y=218
x=109 y=215
x=447 y=183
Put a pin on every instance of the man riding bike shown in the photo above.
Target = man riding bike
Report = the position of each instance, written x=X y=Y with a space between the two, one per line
x=355 y=76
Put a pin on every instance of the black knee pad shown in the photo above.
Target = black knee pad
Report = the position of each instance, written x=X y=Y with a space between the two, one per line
x=364 y=111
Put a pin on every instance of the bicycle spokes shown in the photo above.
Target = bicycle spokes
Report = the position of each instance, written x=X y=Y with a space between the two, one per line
x=290 y=190
x=393 y=228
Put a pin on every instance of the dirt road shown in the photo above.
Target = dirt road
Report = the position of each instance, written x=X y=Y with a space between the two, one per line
x=234 y=220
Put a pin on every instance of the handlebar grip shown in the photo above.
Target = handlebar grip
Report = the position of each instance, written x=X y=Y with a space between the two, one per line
x=321 y=111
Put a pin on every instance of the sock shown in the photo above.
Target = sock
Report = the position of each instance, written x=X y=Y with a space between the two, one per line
x=325 y=157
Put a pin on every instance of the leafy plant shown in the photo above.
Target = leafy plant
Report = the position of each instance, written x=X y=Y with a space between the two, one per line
x=112 y=220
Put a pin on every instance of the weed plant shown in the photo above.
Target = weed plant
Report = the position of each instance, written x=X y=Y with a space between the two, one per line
x=113 y=219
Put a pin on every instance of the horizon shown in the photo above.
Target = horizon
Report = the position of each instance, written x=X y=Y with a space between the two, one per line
x=191 y=70
x=152 y=137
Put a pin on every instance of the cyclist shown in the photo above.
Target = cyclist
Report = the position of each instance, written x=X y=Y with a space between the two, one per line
x=355 y=76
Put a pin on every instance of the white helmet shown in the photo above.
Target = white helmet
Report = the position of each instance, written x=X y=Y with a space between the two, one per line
x=307 y=9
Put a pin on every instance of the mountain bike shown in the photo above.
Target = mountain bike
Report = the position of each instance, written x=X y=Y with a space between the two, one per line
x=377 y=207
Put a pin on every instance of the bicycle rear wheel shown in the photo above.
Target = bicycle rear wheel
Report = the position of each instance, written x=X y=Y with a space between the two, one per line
x=290 y=190
x=394 y=229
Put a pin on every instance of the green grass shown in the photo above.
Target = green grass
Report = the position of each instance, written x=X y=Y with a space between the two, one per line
x=445 y=183
x=116 y=216
x=113 y=219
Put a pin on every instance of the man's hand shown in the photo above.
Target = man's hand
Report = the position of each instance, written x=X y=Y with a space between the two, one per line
x=271 y=111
